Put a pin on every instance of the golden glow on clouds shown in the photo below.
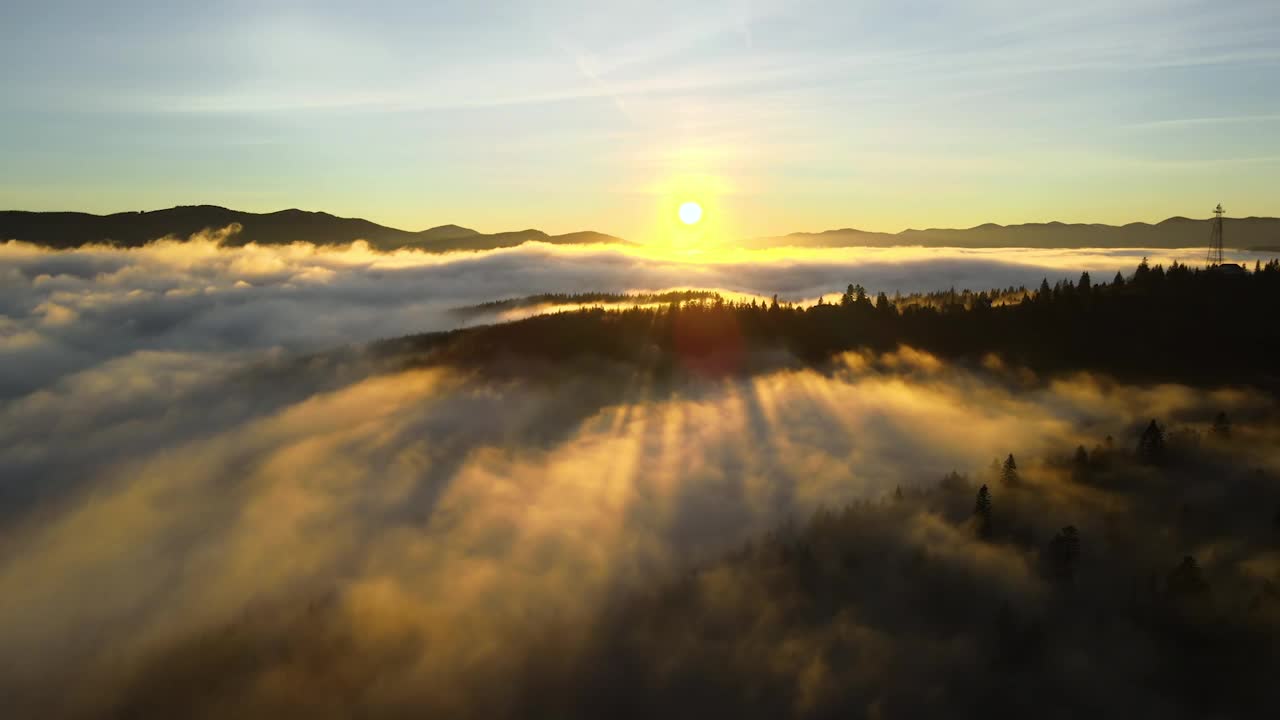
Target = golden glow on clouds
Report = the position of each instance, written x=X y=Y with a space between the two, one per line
x=431 y=517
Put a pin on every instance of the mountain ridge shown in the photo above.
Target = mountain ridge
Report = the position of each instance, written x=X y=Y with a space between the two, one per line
x=1175 y=232
x=63 y=230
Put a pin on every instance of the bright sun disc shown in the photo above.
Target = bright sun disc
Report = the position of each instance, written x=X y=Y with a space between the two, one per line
x=690 y=213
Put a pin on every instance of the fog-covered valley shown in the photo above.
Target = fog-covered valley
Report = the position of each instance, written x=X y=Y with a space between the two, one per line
x=216 y=501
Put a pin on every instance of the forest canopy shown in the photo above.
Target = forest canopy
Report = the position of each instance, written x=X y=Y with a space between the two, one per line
x=1177 y=323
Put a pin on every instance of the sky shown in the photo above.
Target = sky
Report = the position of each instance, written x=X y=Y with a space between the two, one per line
x=776 y=116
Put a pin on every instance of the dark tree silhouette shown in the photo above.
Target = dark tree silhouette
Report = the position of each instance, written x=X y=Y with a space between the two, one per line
x=1064 y=554
x=1143 y=272
x=1045 y=294
x=954 y=481
x=1151 y=443
x=982 y=513
x=1080 y=465
x=1009 y=472
x=883 y=304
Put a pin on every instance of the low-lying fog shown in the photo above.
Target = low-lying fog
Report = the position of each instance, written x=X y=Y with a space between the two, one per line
x=62 y=312
x=155 y=490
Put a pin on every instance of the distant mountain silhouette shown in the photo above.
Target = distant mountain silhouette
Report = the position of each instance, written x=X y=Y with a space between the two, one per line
x=1176 y=232
x=133 y=229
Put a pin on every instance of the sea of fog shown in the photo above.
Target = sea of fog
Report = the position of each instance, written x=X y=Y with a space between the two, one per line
x=157 y=493
x=66 y=311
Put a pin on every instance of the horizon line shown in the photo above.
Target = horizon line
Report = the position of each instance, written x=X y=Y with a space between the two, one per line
x=830 y=230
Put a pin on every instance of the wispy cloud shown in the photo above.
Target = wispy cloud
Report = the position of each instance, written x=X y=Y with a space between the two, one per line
x=1191 y=122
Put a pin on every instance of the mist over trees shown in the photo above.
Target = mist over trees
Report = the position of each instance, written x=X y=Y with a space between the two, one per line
x=1086 y=591
x=382 y=556
x=1129 y=589
x=1177 y=324
x=1082 y=597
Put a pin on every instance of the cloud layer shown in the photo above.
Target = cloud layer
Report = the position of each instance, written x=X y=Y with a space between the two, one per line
x=444 y=524
x=61 y=312
x=188 y=508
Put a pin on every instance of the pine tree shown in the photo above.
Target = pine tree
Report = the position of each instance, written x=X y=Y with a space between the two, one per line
x=1080 y=464
x=1085 y=283
x=1009 y=472
x=982 y=513
x=1118 y=280
x=1151 y=444
x=1142 y=272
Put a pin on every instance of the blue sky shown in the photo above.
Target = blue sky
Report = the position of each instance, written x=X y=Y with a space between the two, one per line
x=569 y=115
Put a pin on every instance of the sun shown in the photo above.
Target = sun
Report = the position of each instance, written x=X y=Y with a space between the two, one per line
x=690 y=213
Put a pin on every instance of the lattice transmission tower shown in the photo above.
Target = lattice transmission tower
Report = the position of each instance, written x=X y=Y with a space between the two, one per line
x=1215 y=238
